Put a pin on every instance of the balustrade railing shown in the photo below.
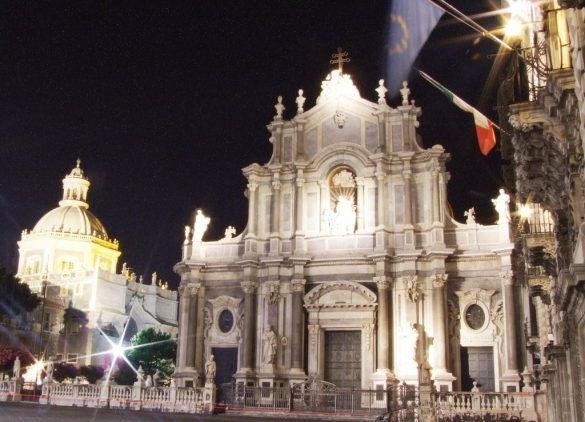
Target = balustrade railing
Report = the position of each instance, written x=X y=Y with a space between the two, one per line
x=470 y=404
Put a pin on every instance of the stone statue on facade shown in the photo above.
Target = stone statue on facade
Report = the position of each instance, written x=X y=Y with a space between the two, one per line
x=210 y=370
x=187 y=234
x=381 y=90
x=153 y=278
x=470 y=214
x=405 y=92
x=230 y=232
x=16 y=368
x=300 y=102
x=270 y=345
x=502 y=206
x=49 y=370
x=200 y=227
x=279 y=108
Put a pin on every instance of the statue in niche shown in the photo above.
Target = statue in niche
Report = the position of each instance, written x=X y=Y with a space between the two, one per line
x=210 y=370
x=200 y=227
x=341 y=218
x=501 y=204
x=270 y=345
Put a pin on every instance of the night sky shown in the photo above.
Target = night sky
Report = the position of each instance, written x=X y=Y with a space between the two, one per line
x=165 y=102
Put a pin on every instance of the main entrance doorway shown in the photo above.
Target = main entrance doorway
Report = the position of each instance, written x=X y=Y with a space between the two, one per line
x=343 y=358
x=477 y=363
x=226 y=359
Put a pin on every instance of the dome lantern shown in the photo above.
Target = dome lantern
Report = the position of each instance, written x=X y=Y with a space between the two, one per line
x=75 y=187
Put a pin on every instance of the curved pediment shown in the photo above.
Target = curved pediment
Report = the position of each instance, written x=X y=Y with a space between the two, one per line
x=340 y=294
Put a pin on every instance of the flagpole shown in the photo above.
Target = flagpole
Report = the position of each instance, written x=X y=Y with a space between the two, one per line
x=441 y=87
x=462 y=17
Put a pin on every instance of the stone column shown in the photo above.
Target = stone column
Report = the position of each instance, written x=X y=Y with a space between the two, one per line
x=384 y=329
x=298 y=289
x=252 y=189
x=360 y=203
x=511 y=377
x=439 y=340
x=186 y=370
x=192 y=334
x=249 y=344
x=183 y=326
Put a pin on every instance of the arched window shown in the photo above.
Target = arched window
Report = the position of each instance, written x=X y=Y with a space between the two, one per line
x=341 y=215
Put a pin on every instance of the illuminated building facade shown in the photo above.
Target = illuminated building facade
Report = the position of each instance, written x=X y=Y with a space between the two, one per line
x=351 y=268
x=70 y=261
x=546 y=155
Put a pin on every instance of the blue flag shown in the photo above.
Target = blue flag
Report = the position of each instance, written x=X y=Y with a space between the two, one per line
x=410 y=24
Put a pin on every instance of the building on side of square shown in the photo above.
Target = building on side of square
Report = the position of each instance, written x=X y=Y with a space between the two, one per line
x=351 y=267
x=70 y=261
x=546 y=155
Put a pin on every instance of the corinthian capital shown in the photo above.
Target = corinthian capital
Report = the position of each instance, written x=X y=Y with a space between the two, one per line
x=252 y=186
x=507 y=278
x=383 y=282
x=248 y=286
x=298 y=284
x=439 y=280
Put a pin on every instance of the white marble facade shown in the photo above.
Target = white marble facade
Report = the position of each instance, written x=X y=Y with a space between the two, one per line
x=349 y=230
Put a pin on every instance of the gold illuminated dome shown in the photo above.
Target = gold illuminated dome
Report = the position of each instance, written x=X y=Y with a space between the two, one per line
x=72 y=215
x=71 y=219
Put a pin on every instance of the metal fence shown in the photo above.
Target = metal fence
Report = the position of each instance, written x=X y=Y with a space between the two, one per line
x=320 y=397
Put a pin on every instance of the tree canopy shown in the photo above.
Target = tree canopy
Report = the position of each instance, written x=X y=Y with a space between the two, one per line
x=16 y=298
x=157 y=351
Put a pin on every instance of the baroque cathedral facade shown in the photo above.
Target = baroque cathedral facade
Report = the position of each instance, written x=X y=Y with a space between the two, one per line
x=351 y=268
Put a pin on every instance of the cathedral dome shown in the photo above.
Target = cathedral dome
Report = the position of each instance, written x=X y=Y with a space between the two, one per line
x=72 y=215
x=71 y=219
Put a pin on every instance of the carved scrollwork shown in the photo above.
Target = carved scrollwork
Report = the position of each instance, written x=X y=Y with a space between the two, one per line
x=272 y=292
x=412 y=287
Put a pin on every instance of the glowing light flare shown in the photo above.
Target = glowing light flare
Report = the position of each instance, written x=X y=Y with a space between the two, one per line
x=525 y=211
x=34 y=371
x=513 y=27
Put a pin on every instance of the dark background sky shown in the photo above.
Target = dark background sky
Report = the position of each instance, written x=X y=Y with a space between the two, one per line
x=165 y=102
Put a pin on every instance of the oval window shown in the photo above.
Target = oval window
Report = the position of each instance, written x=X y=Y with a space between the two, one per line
x=226 y=321
x=475 y=316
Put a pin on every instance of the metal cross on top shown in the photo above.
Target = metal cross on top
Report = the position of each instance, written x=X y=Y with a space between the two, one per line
x=339 y=58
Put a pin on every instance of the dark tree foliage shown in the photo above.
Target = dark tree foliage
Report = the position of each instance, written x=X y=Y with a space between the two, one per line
x=157 y=353
x=125 y=375
x=64 y=370
x=8 y=356
x=16 y=299
x=92 y=373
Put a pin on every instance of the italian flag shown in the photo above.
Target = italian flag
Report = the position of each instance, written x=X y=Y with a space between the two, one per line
x=484 y=127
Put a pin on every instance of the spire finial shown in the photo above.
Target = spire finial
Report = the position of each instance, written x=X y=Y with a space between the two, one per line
x=78 y=162
x=339 y=58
